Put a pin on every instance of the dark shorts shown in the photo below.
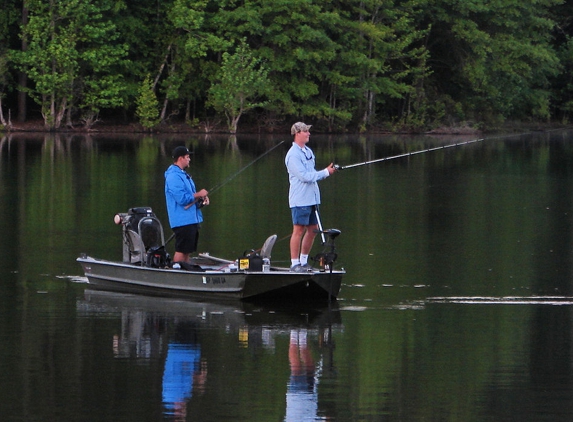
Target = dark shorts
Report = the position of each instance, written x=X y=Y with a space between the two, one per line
x=304 y=216
x=186 y=238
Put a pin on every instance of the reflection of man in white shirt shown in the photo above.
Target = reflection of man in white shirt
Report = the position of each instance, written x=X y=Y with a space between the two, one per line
x=302 y=395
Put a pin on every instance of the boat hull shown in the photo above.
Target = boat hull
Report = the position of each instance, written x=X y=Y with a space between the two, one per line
x=276 y=284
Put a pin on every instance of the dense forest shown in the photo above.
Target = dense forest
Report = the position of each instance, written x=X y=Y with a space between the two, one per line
x=342 y=65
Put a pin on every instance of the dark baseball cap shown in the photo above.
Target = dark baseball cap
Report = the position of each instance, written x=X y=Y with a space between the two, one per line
x=180 y=151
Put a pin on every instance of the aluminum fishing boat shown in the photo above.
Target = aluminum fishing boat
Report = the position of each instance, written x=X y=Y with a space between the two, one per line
x=147 y=268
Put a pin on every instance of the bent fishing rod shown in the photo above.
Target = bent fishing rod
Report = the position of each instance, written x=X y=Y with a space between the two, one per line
x=406 y=154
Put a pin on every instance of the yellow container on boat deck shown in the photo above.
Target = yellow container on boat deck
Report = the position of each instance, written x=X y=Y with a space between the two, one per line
x=244 y=264
x=251 y=263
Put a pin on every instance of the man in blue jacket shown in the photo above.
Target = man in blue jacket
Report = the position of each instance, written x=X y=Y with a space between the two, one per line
x=304 y=195
x=183 y=205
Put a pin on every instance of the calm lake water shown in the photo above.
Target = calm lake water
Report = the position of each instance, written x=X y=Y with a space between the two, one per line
x=457 y=303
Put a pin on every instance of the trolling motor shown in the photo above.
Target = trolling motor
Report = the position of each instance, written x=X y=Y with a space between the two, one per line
x=327 y=257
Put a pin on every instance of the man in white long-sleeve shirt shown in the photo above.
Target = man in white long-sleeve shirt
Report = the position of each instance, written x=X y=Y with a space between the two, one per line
x=304 y=195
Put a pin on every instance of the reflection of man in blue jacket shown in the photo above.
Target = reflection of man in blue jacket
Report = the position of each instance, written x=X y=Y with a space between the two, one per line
x=183 y=205
x=183 y=371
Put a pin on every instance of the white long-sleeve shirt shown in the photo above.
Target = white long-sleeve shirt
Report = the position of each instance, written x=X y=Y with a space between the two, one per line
x=303 y=177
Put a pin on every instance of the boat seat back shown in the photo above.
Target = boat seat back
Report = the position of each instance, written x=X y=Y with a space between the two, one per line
x=268 y=246
x=143 y=235
x=151 y=232
x=135 y=247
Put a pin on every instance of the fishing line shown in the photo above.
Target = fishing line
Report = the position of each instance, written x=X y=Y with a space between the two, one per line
x=232 y=176
x=407 y=154
x=227 y=180
x=457 y=144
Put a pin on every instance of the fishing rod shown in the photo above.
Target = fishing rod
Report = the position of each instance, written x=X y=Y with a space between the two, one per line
x=224 y=182
x=406 y=154
x=232 y=176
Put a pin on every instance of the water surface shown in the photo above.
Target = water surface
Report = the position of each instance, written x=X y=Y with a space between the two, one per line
x=456 y=304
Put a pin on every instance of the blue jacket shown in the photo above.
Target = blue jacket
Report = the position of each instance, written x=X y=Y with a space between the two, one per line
x=303 y=177
x=179 y=191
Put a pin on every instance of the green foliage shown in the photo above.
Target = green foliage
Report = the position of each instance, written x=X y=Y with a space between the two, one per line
x=344 y=64
x=71 y=57
x=495 y=57
x=147 y=105
x=241 y=82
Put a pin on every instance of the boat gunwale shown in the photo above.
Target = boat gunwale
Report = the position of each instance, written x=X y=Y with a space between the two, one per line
x=274 y=270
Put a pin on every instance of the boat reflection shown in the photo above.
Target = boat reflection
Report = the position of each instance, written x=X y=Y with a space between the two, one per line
x=179 y=333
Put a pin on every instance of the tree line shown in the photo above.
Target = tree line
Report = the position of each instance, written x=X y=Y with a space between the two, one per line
x=344 y=65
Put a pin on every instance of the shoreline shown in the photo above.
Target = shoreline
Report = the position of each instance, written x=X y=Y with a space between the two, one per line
x=37 y=126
